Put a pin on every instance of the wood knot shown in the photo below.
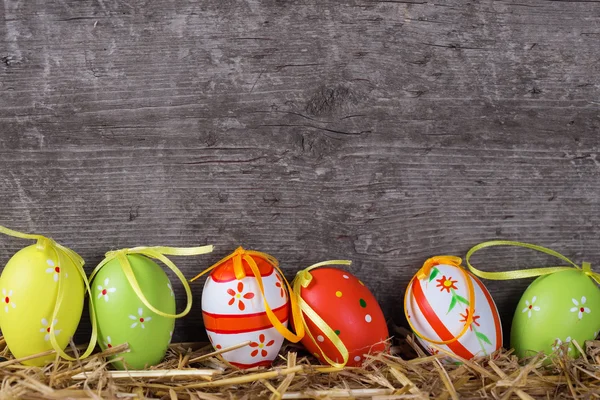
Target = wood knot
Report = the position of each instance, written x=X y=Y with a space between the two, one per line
x=329 y=100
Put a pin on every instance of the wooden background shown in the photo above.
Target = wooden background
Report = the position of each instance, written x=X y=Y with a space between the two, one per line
x=385 y=132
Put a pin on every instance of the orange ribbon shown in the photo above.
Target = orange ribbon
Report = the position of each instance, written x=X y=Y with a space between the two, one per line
x=240 y=255
x=423 y=273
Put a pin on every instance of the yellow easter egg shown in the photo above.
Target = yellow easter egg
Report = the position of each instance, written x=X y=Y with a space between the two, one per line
x=37 y=280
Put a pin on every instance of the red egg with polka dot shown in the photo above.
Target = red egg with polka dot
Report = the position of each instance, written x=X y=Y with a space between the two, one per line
x=342 y=318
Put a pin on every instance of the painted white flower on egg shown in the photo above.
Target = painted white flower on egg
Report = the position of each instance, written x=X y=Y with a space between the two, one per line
x=558 y=344
x=54 y=269
x=103 y=291
x=529 y=307
x=46 y=328
x=7 y=299
x=140 y=319
x=579 y=307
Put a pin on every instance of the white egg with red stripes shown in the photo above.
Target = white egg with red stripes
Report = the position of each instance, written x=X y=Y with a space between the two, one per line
x=448 y=308
x=234 y=311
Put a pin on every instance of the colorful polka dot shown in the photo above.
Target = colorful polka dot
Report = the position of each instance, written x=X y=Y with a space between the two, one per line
x=337 y=332
x=363 y=303
x=338 y=293
x=368 y=318
x=320 y=338
x=345 y=276
x=357 y=358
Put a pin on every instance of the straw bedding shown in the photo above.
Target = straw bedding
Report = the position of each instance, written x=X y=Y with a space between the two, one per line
x=194 y=371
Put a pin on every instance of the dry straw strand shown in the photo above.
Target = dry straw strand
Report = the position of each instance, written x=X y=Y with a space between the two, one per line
x=194 y=371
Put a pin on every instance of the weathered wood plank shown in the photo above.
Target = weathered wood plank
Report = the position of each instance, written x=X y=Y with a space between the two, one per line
x=381 y=131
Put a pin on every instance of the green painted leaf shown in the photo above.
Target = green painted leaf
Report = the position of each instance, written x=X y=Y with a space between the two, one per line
x=434 y=273
x=483 y=337
x=462 y=300
x=452 y=304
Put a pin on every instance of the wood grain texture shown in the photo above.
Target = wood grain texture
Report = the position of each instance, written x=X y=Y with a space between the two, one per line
x=385 y=132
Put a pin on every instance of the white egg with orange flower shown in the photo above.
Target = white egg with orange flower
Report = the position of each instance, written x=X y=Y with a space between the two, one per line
x=449 y=308
x=238 y=312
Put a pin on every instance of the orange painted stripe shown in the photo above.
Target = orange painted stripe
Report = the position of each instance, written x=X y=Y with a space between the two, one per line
x=241 y=323
x=437 y=325
x=494 y=311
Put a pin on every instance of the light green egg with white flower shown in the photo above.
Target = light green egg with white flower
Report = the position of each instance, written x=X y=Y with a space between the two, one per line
x=122 y=317
x=556 y=310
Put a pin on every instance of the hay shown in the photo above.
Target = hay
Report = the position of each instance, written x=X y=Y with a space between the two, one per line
x=195 y=371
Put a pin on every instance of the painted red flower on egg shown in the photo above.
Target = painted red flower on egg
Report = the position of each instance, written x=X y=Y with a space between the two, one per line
x=260 y=346
x=466 y=315
x=239 y=296
x=446 y=283
x=279 y=284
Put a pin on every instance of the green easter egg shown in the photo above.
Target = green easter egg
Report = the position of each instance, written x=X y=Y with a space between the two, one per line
x=123 y=318
x=556 y=309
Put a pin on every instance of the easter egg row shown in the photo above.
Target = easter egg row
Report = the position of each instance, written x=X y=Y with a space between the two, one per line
x=248 y=306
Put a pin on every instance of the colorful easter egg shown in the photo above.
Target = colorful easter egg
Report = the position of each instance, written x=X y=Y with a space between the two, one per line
x=554 y=311
x=123 y=318
x=135 y=304
x=347 y=310
x=234 y=309
x=440 y=301
x=31 y=283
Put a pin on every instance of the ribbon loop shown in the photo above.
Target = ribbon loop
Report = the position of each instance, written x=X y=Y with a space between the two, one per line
x=303 y=280
x=61 y=253
x=238 y=256
x=433 y=261
x=526 y=273
x=304 y=277
x=157 y=253
x=423 y=273
x=586 y=267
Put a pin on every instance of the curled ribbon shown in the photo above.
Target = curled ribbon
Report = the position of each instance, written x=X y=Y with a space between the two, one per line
x=303 y=280
x=157 y=253
x=240 y=255
x=528 y=273
x=424 y=273
x=62 y=253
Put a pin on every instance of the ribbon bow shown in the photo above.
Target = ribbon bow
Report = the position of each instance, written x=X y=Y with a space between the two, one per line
x=61 y=252
x=528 y=273
x=303 y=280
x=424 y=273
x=157 y=253
x=240 y=255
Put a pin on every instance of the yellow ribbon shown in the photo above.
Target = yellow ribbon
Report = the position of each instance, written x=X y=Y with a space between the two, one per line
x=423 y=273
x=527 y=273
x=157 y=253
x=246 y=255
x=303 y=280
x=61 y=252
